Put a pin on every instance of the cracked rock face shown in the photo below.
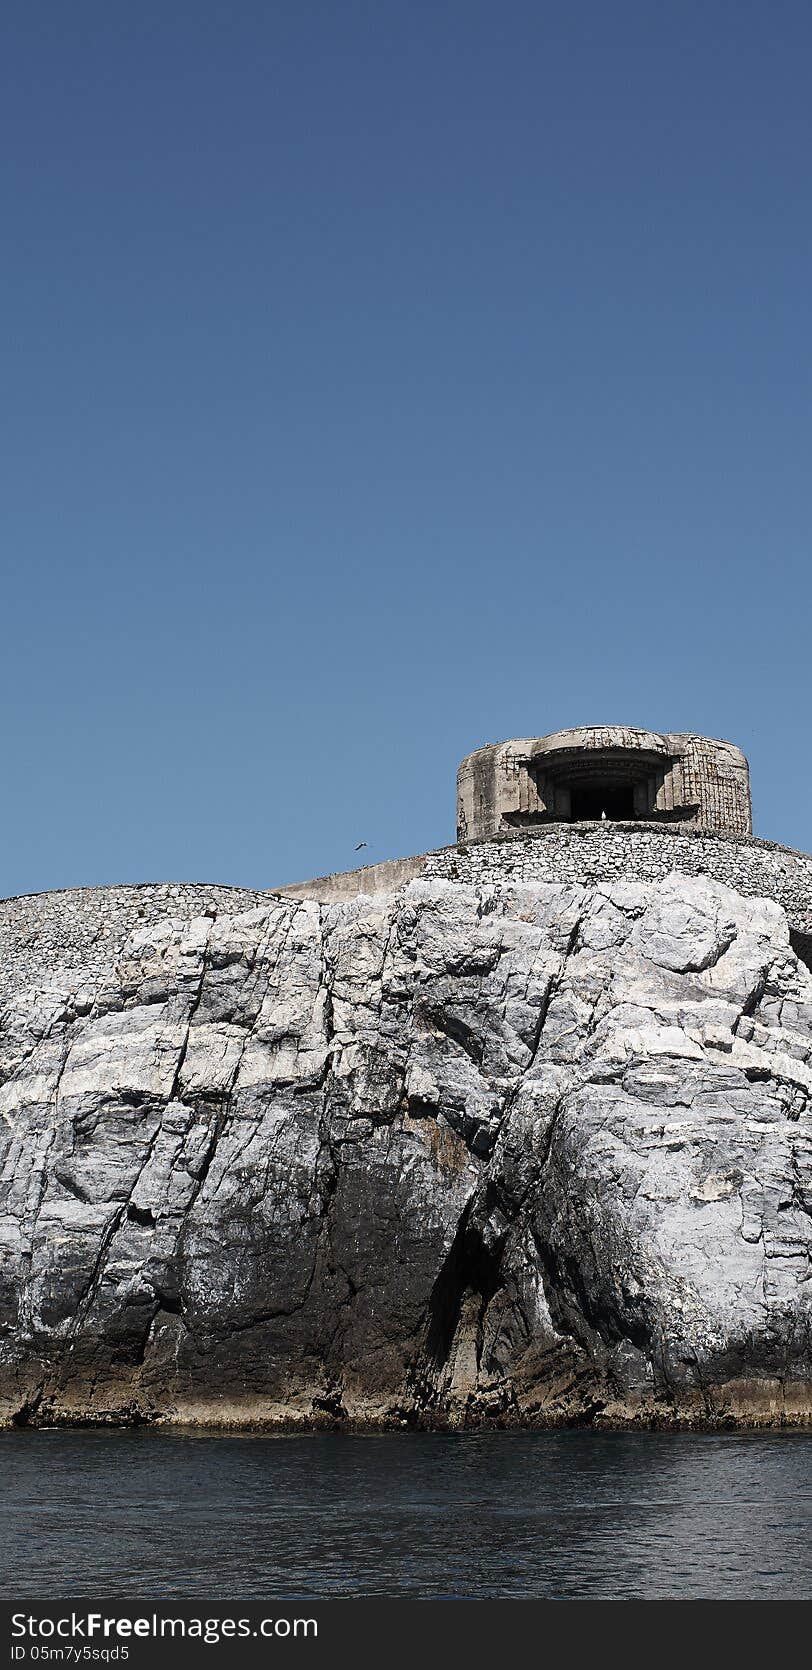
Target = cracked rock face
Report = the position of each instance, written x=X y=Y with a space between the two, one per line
x=512 y=1153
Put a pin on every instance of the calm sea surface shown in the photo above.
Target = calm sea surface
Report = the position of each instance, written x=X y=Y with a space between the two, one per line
x=147 y=1514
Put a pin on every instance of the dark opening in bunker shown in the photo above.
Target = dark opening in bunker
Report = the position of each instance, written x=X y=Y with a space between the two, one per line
x=620 y=784
x=590 y=799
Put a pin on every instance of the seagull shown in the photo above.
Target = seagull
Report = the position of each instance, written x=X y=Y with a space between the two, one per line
x=360 y=845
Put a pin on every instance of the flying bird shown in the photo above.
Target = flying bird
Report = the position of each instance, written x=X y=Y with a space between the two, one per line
x=360 y=845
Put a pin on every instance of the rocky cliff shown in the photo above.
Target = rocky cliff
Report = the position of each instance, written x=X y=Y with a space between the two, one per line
x=506 y=1151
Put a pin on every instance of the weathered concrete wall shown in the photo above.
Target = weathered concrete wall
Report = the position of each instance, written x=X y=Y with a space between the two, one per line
x=369 y=879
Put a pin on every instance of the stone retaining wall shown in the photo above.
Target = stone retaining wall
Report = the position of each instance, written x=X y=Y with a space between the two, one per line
x=79 y=926
x=605 y=852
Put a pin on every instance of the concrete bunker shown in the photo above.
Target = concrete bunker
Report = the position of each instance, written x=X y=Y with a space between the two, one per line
x=596 y=773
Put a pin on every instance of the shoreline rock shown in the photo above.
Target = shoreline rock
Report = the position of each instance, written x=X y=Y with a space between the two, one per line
x=494 y=1153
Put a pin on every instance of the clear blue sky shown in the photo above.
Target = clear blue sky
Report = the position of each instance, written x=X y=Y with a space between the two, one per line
x=384 y=379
